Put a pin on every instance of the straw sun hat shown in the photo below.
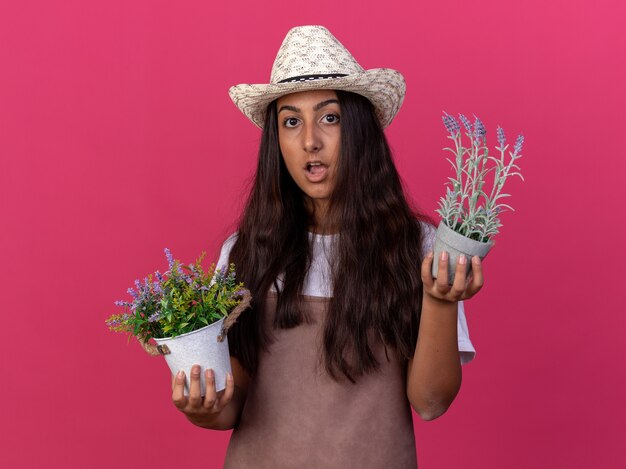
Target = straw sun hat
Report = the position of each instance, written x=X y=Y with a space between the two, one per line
x=311 y=58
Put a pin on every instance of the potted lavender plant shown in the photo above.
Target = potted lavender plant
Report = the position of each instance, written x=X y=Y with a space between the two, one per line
x=470 y=211
x=187 y=312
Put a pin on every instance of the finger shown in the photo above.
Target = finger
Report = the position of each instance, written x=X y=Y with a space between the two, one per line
x=195 y=397
x=478 y=279
x=178 y=391
x=427 y=266
x=442 y=273
x=210 y=394
x=228 y=392
x=458 y=287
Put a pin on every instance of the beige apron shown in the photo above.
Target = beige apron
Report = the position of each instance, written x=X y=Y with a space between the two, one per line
x=296 y=416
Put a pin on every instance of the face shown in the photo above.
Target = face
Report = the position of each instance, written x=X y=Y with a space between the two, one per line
x=309 y=136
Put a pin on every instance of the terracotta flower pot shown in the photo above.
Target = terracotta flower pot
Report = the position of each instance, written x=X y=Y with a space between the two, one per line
x=455 y=244
x=201 y=347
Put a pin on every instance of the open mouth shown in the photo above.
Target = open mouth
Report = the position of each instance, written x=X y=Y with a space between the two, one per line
x=316 y=171
x=315 y=167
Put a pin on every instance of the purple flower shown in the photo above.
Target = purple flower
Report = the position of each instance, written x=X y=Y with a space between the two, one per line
x=155 y=317
x=132 y=293
x=220 y=274
x=157 y=287
x=113 y=322
x=452 y=126
x=159 y=276
x=171 y=262
x=501 y=137
x=466 y=122
x=170 y=259
x=479 y=129
x=117 y=320
x=518 y=144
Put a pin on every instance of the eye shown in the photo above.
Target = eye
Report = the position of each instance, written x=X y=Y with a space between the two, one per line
x=290 y=122
x=331 y=118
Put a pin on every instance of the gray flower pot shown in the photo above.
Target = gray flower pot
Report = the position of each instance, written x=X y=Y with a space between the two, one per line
x=199 y=347
x=455 y=244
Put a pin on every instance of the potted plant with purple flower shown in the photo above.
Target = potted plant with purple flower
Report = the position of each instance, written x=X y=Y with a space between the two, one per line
x=187 y=312
x=470 y=211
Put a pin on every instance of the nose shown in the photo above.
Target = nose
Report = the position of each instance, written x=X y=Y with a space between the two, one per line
x=312 y=138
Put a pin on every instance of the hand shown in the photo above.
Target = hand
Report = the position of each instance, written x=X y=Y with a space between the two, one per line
x=462 y=289
x=203 y=412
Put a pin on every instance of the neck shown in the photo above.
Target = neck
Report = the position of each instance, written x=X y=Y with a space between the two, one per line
x=320 y=224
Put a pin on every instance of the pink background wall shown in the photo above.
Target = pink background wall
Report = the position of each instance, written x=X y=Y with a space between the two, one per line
x=118 y=138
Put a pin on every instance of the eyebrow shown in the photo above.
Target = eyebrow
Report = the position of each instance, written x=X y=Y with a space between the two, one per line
x=317 y=107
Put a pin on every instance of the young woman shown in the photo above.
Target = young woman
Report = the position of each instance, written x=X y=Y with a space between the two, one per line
x=348 y=330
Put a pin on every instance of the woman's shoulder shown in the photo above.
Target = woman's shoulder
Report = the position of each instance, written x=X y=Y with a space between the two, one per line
x=428 y=228
x=227 y=245
x=428 y=236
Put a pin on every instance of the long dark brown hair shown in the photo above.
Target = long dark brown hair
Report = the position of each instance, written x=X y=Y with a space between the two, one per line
x=376 y=263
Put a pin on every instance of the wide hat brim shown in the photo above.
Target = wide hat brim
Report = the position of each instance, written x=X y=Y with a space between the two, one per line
x=384 y=87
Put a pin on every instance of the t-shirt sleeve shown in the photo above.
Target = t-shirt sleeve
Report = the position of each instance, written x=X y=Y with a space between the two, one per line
x=466 y=348
x=225 y=251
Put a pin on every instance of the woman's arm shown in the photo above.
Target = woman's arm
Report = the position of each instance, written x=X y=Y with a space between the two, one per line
x=217 y=411
x=434 y=373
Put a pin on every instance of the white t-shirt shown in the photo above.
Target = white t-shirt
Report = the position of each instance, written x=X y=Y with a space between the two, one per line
x=318 y=279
